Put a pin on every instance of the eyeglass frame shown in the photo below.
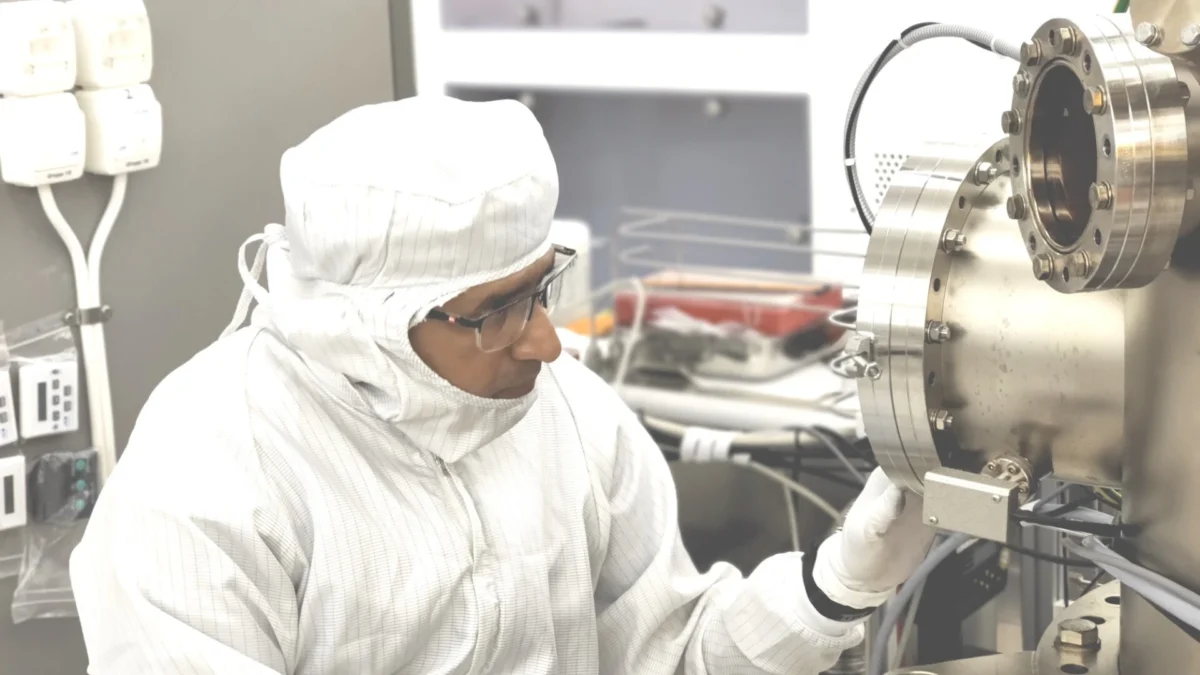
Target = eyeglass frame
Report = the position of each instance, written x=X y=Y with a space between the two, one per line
x=476 y=323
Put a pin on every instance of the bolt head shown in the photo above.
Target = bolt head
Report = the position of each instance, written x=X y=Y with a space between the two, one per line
x=933 y=520
x=1100 y=195
x=1010 y=122
x=1078 y=633
x=714 y=107
x=1031 y=53
x=1094 y=100
x=1190 y=35
x=873 y=371
x=1043 y=266
x=942 y=420
x=997 y=499
x=1012 y=468
x=1065 y=40
x=1148 y=34
x=1020 y=83
x=991 y=466
x=1015 y=207
x=1079 y=265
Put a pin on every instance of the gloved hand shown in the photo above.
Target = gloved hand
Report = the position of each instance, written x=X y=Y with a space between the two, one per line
x=882 y=541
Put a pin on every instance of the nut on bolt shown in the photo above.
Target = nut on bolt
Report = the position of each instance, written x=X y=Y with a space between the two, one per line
x=937 y=332
x=1100 y=195
x=953 y=241
x=1079 y=634
x=941 y=420
x=1031 y=53
x=1077 y=265
x=1094 y=100
x=1148 y=34
x=1010 y=122
x=985 y=172
x=1016 y=207
x=1043 y=266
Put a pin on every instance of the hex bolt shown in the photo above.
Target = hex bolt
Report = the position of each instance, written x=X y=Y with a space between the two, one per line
x=1020 y=83
x=1100 y=195
x=1010 y=122
x=1079 y=634
x=714 y=16
x=1190 y=35
x=985 y=172
x=1148 y=34
x=937 y=332
x=1016 y=207
x=1094 y=100
x=953 y=241
x=873 y=371
x=1031 y=53
x=1067 y=41
x=991 y=466
x=1079 y=265
x=1013 y=469
x=1043 y=266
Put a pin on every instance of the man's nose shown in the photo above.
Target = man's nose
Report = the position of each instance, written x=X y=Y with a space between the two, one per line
x=539 y=341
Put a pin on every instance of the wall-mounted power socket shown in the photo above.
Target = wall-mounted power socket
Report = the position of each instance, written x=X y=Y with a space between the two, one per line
x=8 y=409
x=49 y=398
x=13 y=511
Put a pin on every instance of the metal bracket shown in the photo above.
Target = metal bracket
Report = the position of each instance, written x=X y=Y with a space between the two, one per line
x=857 y=359
x=84 y=316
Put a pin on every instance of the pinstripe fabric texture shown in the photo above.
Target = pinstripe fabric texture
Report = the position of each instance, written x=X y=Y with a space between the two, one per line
x=305 y=496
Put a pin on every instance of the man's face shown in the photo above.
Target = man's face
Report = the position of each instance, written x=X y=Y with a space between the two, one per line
x=451 y=351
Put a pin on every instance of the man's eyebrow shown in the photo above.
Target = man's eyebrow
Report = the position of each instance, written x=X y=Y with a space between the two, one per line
x=501 y=298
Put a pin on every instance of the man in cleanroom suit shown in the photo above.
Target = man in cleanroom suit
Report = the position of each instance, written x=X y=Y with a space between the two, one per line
x=391 y=470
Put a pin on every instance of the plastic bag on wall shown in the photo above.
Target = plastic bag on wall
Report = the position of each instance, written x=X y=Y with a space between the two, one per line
x=10 y=541
x=62 y=486
x=38 y=553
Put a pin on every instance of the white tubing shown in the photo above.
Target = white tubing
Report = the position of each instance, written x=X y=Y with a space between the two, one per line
x=805 y=493
x=86 y=272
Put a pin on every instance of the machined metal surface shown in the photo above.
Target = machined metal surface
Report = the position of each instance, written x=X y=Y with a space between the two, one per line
x=980 y=506
x=1163 y=465
x=1084 y=642
x=1172 y=21
x=1025 y=371
x=1101 y=166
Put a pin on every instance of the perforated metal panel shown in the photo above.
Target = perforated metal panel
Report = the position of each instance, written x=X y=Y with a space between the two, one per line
x=886 y=166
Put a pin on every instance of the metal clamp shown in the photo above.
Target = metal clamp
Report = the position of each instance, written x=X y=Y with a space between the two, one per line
x=87 y=315
x=858 y=359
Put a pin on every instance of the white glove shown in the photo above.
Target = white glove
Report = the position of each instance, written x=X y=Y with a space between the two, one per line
x=881 y=543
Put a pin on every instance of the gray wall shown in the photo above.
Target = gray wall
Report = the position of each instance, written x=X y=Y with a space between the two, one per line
x=239 y=83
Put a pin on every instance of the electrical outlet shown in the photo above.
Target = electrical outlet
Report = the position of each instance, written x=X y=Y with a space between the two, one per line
x=12 y=492
x=49 y=398
x=8 y=409
x=37 y=48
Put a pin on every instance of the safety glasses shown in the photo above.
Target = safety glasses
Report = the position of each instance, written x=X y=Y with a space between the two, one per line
x=499 y=328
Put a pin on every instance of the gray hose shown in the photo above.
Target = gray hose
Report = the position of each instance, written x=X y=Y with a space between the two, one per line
x=896 y=608
x=938 y=30
x=916 y=581
x=1178 y=601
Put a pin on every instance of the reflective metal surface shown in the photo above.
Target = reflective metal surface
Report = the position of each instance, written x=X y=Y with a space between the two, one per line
x=1024 y=370
x=1063 y=649
x=1163 y=465
x=1171 y=20
x=1101 y=170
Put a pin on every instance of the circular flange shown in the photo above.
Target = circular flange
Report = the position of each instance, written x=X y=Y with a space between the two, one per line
x=1101 y=175
x=904 y=282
